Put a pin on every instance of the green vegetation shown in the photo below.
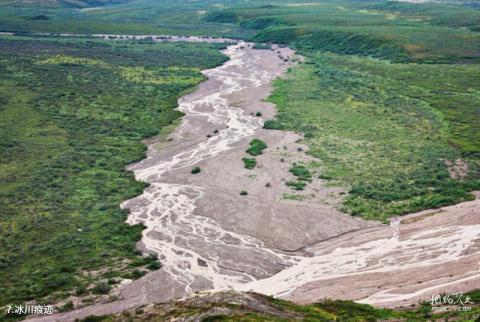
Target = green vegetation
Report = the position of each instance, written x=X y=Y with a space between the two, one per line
x=67 y=307
x=384 y=29
x=153 y=266
x=272 y=125
x=301 y=172
x=196 y=170
x=243 y=193
x=249 y=163
x=297 y=197
x=296 y=185
x=101 y=288
x=177 y=17
x=262 y=308
x=386 y=139
x=256 y=147
x=303 y=176
x=73 y=113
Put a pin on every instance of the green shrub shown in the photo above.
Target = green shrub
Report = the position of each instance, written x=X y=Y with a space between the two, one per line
x=346 y=309
x=95 y=318
x=112 y=281
x=154 y=266
x=243 y=193
x=137 y=274
x=101 y=288
x=297 y=185
x=249 y=163
x=80 y=290
x=272 y=125
x=301 y=172
x=221 y=16
x=196 y=170
x=256 y=147
x=66 y=307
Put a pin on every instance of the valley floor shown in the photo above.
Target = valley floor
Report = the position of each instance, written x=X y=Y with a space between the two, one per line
x=208 y=234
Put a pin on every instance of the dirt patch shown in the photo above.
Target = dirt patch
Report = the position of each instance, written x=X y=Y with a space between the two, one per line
x=427 y=254
x=457 y=169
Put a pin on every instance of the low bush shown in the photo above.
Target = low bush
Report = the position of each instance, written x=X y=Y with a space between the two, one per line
x=196 y=170
x=301 y=172
x=154 y=266
x=249 y=163
x=101 y=288
x=66 y=307
x=272 y=125
x=296 y=185
x=256 y=147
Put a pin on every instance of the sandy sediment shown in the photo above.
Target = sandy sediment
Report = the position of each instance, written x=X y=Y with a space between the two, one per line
x=420 y=256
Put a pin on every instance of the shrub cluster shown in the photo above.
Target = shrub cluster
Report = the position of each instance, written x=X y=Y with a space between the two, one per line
x=256 y=147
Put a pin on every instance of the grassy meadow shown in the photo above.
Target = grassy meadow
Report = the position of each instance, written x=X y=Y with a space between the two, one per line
x=72 y=115
x=382 y=136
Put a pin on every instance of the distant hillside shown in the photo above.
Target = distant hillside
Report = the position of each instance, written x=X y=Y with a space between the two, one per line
x=65 y=3
x=91 y=3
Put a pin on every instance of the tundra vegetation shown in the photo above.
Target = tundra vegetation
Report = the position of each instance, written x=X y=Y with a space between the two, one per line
x=73 y=113
x=387 y=97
